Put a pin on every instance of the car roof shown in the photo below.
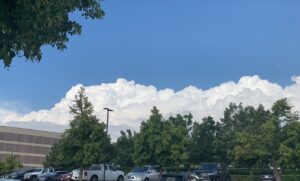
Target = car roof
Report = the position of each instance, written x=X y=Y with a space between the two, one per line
x=151 y=166
x=173 y=174
x=180 y=174
x=210 y=163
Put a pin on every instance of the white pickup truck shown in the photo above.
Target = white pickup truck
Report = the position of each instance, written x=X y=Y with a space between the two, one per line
x=99 y=172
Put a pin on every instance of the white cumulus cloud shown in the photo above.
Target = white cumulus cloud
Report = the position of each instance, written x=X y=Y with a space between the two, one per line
x=132 y=102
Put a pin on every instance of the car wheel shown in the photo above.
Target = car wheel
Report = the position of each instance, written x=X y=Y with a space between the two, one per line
x=33 y=178
x=94 y=178
x=120 y=178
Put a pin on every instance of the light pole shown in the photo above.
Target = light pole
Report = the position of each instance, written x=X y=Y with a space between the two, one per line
x=107 y=119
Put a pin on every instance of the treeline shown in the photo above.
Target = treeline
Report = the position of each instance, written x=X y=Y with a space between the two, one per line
x=246 y=137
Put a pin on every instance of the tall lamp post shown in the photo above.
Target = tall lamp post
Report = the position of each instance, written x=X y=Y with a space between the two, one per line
x=107 y=118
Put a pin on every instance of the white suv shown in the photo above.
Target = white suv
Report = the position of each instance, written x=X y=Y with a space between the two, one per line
x=32 y=176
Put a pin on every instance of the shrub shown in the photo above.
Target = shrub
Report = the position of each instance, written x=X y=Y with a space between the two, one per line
x=244 y=178
x=256 y=178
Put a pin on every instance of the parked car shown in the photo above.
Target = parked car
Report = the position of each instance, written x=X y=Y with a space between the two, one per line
x=145 y=173
x=99 y=172
x=11 y=174
x=61 y=176
x=19 y=174
x=267 y=177
x=7 y=179
x=212 y=172
x=36 y=172
x=185 y=176
x=55 y=176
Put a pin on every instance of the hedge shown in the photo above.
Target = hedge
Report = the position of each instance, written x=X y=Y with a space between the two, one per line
x=256 y=178
x=256 y=171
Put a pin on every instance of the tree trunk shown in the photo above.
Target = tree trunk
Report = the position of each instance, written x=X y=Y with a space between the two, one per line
x=80 y=173
x=275 y=171
x=276 y=174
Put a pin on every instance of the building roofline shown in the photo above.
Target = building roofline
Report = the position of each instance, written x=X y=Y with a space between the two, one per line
x=27 y=131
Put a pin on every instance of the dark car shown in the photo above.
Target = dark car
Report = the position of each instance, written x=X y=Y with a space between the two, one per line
x=11 y=174
x=55 y=176
x=185 y=176
x=212 y=172
x=18 y=174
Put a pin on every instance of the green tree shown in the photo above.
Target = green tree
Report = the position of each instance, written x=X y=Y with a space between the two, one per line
x=85 y=142
x=28 y=25
x=277 y=136
x=161 y=142
x=174 y=143
x=236 y=131
x=58 y=158
x=202 y=139
x=124 y=148
x=246 y=148
x=290 y=147
x=10 y=163
x=225 y=139
x=145 y=142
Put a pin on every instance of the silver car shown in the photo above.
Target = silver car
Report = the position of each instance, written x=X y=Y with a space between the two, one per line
x=146 y=173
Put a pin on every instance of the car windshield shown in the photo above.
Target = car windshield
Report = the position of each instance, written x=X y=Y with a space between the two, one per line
x=208 y=166
x=15 y=173
x=60 y=172
x=36 y=170
x=23 y=171
x=139 y=169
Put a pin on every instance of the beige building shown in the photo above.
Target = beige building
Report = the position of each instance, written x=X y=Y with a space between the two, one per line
x=31 y=146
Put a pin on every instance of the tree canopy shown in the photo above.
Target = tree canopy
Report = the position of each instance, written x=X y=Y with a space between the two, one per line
x=11 y=162
x=85 y=142
x=124 y=147
x=162 y=142
x=245 y=137
x=26 y=26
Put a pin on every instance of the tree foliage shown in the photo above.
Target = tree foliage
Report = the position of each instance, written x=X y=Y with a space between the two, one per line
x=202 y=137
x=162 y=142
x=276 y=135
x=245 y=136
x=25 y=25
x=270 y=136
x=10 y=163
x=85 y=142
x=124 y=148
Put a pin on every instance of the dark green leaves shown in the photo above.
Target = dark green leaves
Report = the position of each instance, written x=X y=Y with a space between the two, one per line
x=10 y=163
x=25 y=25
x=85 y=142
x=162 y=142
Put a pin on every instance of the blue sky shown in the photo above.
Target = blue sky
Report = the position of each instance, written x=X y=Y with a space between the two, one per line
x=169 y=44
